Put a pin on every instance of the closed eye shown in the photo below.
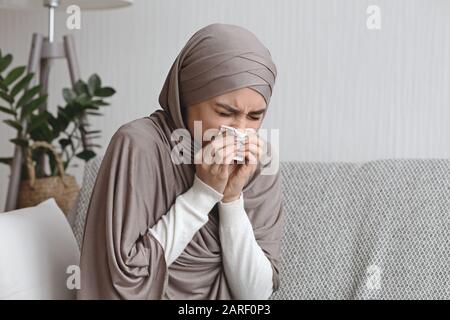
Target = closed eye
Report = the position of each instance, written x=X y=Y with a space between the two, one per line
x=222 y=114
x=255 y=118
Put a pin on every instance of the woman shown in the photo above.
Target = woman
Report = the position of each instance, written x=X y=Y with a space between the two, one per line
x=158 y=228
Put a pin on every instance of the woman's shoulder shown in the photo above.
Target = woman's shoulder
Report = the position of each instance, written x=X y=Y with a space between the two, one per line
x=142 y=130
x=149 y=135
x=135 y=128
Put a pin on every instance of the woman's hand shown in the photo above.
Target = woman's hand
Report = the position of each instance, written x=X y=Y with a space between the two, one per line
x=212 y=162
x=240 y=173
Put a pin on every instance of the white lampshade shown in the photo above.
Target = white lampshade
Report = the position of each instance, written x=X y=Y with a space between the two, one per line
x=63 y=4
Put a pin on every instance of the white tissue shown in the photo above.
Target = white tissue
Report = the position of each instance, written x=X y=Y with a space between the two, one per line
x=240 y=137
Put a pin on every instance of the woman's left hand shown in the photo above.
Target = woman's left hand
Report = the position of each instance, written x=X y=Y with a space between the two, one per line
x=241 y=172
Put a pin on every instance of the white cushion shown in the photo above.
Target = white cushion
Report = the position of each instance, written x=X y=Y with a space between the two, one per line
x=37 y=246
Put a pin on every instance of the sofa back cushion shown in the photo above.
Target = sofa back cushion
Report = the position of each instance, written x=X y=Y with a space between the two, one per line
x=78 y=213
x=374 y=230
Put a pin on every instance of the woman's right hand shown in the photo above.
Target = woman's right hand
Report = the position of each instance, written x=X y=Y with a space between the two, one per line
x=212 y=162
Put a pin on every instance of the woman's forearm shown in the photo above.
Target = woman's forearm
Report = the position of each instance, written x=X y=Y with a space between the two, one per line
x=175 y=229
x=247 y=269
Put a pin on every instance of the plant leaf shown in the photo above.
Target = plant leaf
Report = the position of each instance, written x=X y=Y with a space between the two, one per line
x=7 y=161
x=14 y=124
x=13 y=75
x=63 y=119
x=37 y=121
x=54 y=123
x=65 y=142
x=6 y=97
x=93 y=113
x=93 y=145
x=105 y=92
x=8 y=110
x=5 y=62
x=68 y=95
x=43 y=133
x=74 y=110
x=93 y=131
x=33 y=105
x=81 y=87
x=100 y=103
x=2 y=86
x=94 y=83
x=20 y=142
x=83 y=99
x=86 y=155
x=21 y=84
x=91 y=107
x=28 y=95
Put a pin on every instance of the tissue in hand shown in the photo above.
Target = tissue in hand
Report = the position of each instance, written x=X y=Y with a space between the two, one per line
x=240 y=137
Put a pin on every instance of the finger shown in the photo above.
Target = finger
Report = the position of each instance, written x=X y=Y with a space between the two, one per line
x=219 y=138
x=256 y=140
x=208 y=154
x=217 y=134
x=221 y=154
x=252 y=144
x=229 y=157
x=255 y=150
x=214 y=169
x=224 y=168
x=223 y=142
x=230 y=153
x=212 y=148
x=252 y=137
x=251 y=158
x=228 y=160
x=261 y=143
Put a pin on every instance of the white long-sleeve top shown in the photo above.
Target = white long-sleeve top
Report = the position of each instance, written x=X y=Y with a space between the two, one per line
x=247 y=269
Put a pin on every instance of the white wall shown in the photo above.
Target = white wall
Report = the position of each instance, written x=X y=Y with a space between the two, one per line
x=344 y=93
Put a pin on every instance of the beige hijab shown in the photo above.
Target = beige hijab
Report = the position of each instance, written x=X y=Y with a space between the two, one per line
x=138 y=183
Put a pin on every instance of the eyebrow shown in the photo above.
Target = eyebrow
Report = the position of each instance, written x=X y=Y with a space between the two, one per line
x=236 y=110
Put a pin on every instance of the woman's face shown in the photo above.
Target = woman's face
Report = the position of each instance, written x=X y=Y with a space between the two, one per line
x=242 y=108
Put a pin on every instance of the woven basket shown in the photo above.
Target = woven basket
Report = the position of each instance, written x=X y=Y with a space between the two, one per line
x=63 y=188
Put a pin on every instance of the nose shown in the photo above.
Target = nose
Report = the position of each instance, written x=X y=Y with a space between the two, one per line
x=240 y=123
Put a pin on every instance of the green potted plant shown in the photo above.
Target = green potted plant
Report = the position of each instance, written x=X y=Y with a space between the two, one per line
x=62 y=136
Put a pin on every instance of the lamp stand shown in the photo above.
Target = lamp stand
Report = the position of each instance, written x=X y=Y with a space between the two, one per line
x=43 y=51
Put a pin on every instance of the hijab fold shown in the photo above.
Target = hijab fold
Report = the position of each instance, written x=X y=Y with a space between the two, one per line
x=138 y=182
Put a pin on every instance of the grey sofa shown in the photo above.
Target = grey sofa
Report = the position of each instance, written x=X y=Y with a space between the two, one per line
x=374 y=230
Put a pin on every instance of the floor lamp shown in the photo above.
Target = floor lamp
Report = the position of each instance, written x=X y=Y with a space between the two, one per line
x=43 y=51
